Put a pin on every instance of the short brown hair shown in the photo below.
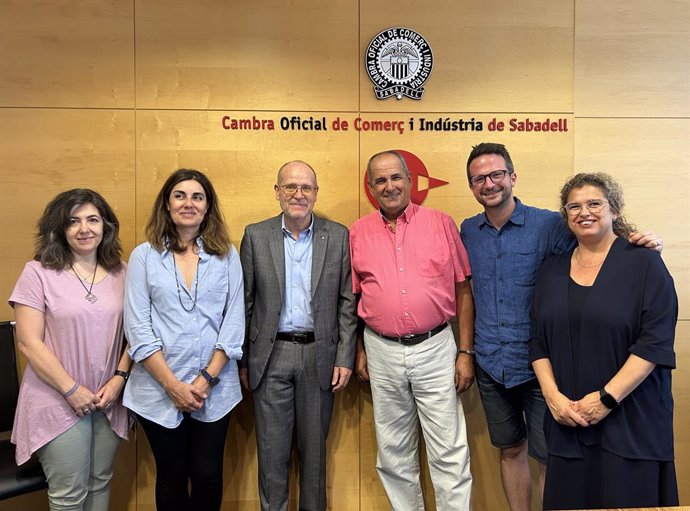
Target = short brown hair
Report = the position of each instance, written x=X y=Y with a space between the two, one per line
x=489 y=148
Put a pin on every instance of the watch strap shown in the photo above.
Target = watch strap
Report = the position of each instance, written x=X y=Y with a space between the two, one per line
x=124 y=374
x=608 y=400
x=212 y=380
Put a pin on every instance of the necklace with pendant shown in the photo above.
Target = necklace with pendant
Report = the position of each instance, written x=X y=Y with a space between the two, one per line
x=90 y=297
x=196 y=286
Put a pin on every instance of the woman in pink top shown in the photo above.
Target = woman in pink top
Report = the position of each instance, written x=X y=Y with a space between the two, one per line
x=68 y=311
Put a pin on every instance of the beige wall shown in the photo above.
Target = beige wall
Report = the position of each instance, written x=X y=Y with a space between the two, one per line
x=115 y=95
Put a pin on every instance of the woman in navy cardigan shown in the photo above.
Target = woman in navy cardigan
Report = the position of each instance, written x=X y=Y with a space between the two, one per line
x=602 y=338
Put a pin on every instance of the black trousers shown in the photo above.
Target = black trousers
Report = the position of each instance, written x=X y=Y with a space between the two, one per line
x=191 y=452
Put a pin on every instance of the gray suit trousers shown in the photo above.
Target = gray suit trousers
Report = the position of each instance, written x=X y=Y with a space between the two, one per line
x=289 y=398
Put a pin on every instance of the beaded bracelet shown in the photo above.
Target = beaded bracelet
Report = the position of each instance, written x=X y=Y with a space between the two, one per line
x=71 y=391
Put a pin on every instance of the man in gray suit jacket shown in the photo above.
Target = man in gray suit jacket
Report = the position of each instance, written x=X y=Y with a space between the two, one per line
x=300 y=340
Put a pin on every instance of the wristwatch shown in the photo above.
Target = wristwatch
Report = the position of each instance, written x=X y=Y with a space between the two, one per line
x=608 y=400
x=124 y=374
x=212 y=380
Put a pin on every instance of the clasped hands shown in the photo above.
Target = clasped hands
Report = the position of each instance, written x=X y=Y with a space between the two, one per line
x=189 y=397
x=585 y=412
x=84 y=402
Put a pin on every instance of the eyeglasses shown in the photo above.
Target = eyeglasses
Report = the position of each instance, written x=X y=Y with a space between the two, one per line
x=592 y=205
x=307 y=190
x=496 y=176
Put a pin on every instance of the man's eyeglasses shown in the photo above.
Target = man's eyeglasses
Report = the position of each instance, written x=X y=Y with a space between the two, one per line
x=307 y=190
x=496 y=176
x=592 y=205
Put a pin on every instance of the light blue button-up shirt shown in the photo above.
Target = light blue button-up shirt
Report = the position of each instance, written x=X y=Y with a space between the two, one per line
x=155 y=320
x=296 y=316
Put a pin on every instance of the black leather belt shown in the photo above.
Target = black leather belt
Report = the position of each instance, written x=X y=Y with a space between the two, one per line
x=296 y=337
x=412 y=339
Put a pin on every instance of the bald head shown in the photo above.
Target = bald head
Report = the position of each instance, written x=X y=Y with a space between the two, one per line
x=294 y=164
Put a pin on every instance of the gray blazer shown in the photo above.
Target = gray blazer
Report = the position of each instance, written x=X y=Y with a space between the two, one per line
x=332 y=301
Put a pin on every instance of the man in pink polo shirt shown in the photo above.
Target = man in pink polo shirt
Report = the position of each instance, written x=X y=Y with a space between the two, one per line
x=410 y=272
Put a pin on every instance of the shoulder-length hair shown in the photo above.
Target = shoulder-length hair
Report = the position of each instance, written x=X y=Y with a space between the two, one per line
x=612 y=192
x=51 y=248
x=161 y=231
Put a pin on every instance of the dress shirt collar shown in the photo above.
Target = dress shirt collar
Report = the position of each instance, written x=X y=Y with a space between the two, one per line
x=405 y=216
x=199 y=243
x=307 y=232
x=517 y=218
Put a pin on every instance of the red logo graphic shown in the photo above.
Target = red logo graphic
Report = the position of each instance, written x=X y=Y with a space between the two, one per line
x=420 y=187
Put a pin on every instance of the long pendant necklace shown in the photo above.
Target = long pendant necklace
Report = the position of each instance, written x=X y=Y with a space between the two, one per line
x=196 y=286
x=90 y=297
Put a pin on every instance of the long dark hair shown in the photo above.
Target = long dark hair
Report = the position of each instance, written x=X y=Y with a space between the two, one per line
x=51 y=248
x=160 y=227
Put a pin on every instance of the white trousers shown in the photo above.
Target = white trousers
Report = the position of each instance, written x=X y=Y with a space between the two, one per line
x=413 y=386
x=78 y=465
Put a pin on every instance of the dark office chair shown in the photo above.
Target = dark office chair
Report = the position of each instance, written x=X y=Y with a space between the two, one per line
x=29 y=477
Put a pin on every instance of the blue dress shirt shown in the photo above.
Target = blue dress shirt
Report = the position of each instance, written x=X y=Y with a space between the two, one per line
x=296 y=316
x=156 y=321
x=504 y=264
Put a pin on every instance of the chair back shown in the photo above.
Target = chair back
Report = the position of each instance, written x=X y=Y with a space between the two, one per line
x=9 y=377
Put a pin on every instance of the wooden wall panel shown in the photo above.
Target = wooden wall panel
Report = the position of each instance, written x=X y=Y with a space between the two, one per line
x=49 y=151
x=372 y=494
x=632 y=58
x=651 y=159
x=269 y=55
x=243 y=164
x=489 y=56
x=681 y=419
x=67 y=54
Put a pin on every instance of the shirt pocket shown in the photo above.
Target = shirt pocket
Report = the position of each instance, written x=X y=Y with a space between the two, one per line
x=217 y=283
x=525 y=265
x=432 y=261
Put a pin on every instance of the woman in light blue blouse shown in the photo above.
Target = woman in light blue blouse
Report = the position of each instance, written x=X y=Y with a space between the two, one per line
x=184 y=319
